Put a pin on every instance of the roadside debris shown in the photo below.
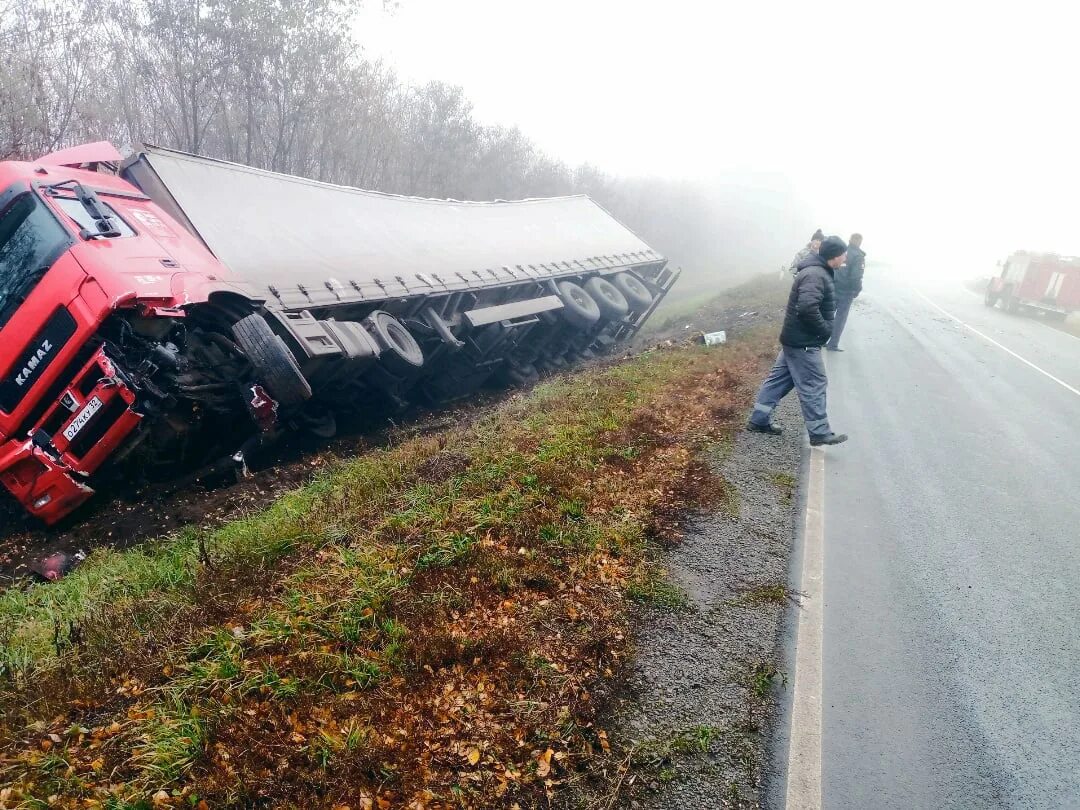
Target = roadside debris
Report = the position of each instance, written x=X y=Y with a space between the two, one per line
x=56 y=565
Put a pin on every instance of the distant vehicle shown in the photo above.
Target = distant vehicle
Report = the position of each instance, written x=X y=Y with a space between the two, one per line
x=1037 y=282
x=183 y=310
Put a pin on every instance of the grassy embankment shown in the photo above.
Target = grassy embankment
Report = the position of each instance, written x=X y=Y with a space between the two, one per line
x=710 y=311
x=436 y=624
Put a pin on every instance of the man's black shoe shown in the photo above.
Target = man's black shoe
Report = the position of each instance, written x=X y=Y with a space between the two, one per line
x=828 y=438
x=769 y=429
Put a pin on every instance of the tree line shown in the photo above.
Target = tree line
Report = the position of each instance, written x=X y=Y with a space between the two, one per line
x=278 y=84
x=285 y=85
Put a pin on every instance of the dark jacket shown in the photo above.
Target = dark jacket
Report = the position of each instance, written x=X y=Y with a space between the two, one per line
x=811 y=305
x=849 y=277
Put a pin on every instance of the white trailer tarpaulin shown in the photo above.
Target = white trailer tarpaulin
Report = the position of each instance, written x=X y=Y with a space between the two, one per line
x=310 y=243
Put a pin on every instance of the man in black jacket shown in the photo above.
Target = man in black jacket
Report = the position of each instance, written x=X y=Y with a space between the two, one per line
x=848 y=286
x=807 y=327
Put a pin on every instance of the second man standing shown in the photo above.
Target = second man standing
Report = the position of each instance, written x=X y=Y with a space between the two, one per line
x=848 y=286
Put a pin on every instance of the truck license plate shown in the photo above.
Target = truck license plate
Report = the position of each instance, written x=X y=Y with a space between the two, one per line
x=79 y=422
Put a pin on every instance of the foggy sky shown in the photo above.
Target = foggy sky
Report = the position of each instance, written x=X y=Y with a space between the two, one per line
x=943 y=131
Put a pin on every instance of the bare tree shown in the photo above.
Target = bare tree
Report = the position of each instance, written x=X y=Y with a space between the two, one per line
x=284 y=85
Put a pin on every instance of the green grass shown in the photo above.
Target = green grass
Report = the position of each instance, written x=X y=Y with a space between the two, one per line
x=767 y=289
x=773 y=594
x=313 y=587
x=763 y=676
x=660 y=752
x=674 y=310
x=698 y=739
x=652 y=587
x=786 y=483
x=173 y=739
x=36 y=620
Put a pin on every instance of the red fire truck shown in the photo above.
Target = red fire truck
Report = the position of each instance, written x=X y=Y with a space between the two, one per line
x=172 y=310
x=1037 y=282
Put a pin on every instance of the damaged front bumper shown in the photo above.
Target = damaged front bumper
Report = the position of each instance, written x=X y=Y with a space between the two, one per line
x=92 y=417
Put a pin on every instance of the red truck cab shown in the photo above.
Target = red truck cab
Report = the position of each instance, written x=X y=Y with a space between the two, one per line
x=76 y=246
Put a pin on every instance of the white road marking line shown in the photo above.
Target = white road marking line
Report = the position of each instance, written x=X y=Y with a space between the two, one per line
x=1005 y=349
x=804 y=748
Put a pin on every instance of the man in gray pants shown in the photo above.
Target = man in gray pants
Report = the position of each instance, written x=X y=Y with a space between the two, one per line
x=807 y=327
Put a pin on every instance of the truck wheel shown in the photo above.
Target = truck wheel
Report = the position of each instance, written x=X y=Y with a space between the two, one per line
x=635 y=293
x=275 y=367
x=521 y=375
x=320 y=423
x=399 y=353
x=556 y=362
x=990 y=299
x=579 y=309
x=611 y=302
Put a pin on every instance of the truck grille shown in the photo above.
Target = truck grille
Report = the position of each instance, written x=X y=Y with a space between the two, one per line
x=97 y=427
x=51 y=396
x=87 y=377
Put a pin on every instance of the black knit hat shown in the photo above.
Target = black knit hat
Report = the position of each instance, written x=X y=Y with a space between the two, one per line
x=818 y=236
x=832 y=247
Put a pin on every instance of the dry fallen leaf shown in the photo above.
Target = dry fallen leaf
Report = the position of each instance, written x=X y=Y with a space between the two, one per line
x=474 y=755
x=603 y=740
x=543 y=764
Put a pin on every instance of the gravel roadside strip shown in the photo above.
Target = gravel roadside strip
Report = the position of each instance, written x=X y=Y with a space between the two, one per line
x=702 y=705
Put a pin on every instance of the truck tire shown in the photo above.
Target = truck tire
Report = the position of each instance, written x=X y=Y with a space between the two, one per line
x=611 y=302
x=637 y=295
x=275 y=367
x=990 y=299
x=320 y=423
x=399 y=353
x=579 y=309
x=521 y=375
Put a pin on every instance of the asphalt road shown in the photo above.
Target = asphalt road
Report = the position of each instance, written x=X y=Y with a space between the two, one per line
x=951 y=629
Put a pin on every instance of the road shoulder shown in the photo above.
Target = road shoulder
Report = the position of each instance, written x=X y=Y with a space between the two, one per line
x=703 y=706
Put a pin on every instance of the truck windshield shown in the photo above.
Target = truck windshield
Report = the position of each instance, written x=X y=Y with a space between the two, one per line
x=30 y=241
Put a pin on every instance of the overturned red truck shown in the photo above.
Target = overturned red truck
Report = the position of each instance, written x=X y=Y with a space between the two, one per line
x=171 y=310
